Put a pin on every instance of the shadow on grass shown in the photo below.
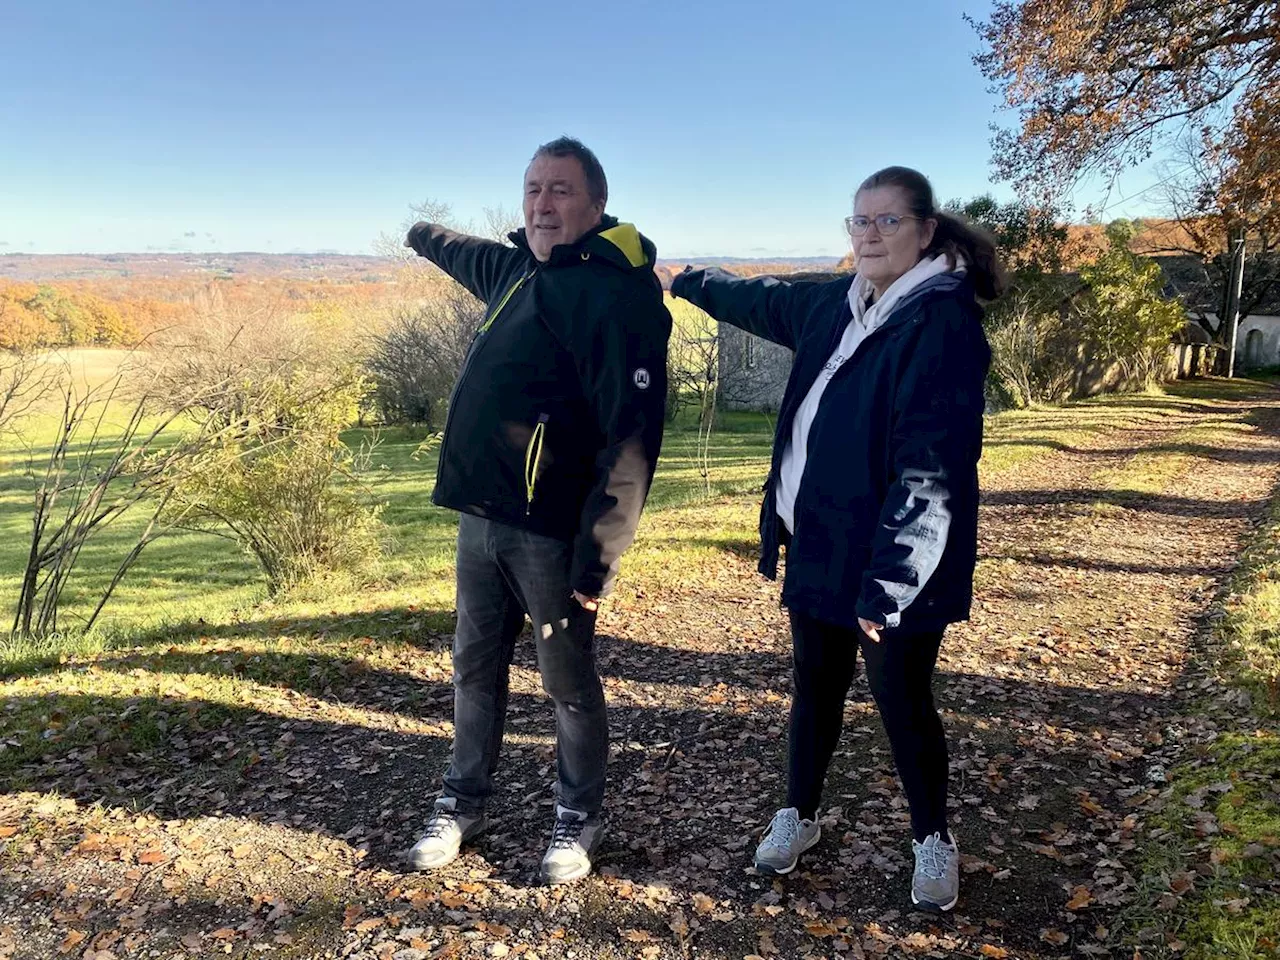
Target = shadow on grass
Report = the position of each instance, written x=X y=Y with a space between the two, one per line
x=1093 y=565
x=1172 y=506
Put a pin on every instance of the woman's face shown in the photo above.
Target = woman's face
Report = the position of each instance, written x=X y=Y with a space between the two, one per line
x=883 y=257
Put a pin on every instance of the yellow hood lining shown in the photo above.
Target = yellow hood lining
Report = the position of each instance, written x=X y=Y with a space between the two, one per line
x=627 y=239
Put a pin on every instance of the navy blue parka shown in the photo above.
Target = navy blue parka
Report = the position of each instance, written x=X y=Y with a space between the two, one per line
x=886 y=516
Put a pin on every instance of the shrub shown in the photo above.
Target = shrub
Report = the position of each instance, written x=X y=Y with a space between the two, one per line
x=414 y=364
x=281 y=388
x=1035 y=342
x=288 y=489
x=1127 y=318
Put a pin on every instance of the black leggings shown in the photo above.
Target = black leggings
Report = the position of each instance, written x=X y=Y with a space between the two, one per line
x=900 y=672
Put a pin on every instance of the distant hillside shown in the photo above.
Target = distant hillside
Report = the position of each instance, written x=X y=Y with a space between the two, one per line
x=1086 y=241
x=749 y=267
x=298 y=266
x=796 y=263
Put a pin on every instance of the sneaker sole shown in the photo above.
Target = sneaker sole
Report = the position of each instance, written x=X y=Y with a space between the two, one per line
x=773 y=871
x=568 y=878
x=932 y=907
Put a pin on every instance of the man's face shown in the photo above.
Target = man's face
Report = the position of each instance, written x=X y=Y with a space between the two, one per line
x=557 y=205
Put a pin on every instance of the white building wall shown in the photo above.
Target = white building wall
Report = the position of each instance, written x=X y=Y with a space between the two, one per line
x=1261 y=350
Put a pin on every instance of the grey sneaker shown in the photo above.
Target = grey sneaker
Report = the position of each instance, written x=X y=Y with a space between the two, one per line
x=936 y=883
x=447 y=830
x=788 y=837
x=573 y=841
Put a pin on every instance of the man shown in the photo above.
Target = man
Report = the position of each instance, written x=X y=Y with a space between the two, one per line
x=549 y=448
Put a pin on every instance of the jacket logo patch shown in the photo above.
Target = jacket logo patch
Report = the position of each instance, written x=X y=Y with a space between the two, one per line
x=641 y=378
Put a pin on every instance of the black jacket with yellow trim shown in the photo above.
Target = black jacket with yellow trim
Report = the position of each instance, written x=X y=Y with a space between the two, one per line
x=556 y=419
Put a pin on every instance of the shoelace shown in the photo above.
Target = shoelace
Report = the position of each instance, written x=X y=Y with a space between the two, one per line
x=934 y=858
x=784 y=829
x=566 y=833
x=441 y=822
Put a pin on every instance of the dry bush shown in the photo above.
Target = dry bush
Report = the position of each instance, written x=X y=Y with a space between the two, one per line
x=413 y=364
x=281 y=481
x=249 y=348
x=25 y=380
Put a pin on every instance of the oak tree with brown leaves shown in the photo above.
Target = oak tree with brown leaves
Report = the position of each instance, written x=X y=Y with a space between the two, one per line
x=1098 y=85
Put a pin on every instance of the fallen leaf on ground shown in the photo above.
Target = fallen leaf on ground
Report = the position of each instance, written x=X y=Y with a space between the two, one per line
x=71 y=941
x=1081 y=897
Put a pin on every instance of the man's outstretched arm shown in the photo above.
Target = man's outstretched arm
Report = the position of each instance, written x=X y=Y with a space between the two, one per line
x=479 y=265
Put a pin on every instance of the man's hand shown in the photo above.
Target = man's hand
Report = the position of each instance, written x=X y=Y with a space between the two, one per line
x=872 y=630
x=590 y=604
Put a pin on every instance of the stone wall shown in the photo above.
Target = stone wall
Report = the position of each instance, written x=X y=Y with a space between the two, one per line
x=753 y=372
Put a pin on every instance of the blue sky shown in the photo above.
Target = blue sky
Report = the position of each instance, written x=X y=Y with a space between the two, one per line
x=731 y=128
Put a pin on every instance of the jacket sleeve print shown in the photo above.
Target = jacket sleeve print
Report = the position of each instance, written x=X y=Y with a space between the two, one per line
x=624 y=376
x=764 y=306
x=936 y=442
x=479 y=265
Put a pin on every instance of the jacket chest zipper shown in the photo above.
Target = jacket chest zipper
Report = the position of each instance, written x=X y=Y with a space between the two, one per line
x=503 y=302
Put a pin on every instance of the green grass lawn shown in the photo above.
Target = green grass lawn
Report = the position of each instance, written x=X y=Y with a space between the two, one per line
x=191 y=578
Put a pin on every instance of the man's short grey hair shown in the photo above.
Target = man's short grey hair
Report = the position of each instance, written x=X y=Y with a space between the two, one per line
x=597 y=185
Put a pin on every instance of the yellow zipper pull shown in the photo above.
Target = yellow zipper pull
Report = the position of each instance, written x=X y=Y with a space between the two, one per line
x=532 y=457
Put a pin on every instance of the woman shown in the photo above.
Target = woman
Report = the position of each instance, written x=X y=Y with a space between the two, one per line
x=874 y=492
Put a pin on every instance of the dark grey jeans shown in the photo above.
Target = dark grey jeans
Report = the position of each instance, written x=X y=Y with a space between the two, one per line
x=503 y=573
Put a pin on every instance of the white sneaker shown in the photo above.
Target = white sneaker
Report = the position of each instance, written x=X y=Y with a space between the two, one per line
x=447 y=831
x=936 y=882
x=788 y=837
x=574 y=839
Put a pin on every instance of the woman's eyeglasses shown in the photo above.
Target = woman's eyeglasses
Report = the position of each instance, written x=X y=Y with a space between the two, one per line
x=886 y=224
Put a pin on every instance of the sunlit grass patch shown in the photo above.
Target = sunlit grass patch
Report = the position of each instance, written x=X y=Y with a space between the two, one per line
x=1253 y=618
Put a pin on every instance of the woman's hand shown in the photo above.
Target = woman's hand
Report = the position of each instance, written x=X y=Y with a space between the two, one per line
x=872 y=630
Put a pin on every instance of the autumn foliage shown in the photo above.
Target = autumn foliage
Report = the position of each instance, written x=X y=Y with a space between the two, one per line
x=48 y=316
x=129 y=310
x=1098 y=85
